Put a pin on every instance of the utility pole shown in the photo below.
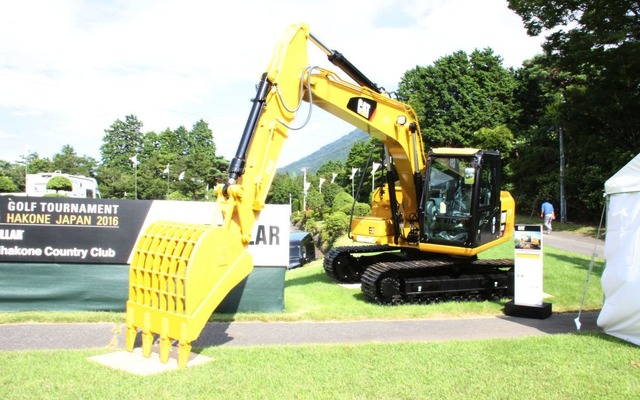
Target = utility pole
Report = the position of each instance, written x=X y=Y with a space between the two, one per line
x=563 y=202
x=134 y=161
x=304 y=189
x=168 y=172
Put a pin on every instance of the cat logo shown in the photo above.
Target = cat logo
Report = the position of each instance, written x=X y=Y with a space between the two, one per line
x=364 y=107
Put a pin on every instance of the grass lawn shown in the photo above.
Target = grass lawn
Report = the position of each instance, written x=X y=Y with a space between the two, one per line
x=575 y=366
x=569 y=366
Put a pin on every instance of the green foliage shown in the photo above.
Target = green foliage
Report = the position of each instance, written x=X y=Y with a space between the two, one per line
x=586 y=85
x=7 y=185
x=173 y=160
x=336 y=225
x=34 y=164
x=284 y=188
x=361 y=209
x=68 y=162
x=58 y=195
x=314 y=200
x=176 y=195
x=58 y=183
x=331 y=167
x=498 y=138
x=459 y=95
x=341 y=201
x=123 y=140
x=330 y=191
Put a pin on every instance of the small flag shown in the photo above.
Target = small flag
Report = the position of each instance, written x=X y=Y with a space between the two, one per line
x=353 y=172
x=181 y=176
x=134 y=160
x=166 y=170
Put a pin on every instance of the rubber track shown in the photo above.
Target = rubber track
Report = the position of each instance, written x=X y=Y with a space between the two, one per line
x=332 y=256
x=374 y=274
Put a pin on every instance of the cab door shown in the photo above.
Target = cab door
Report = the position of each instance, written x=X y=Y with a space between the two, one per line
x=488 y=199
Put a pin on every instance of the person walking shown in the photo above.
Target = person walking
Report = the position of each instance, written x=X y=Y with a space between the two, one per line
x=548 y=214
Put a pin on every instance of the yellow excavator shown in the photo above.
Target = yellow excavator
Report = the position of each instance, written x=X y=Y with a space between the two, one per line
x=437 y=211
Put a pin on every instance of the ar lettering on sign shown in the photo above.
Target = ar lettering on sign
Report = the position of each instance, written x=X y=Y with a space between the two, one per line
x=267 y=236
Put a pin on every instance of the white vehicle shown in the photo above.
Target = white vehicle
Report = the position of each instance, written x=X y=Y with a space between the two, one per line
x=82 y=186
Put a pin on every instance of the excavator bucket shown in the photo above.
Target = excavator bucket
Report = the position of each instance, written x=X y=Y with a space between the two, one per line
x=178 y=275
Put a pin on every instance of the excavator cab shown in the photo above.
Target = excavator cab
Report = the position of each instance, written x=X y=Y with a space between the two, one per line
x=461 y=198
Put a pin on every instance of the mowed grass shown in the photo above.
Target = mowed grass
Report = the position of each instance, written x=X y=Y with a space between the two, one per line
x=569 y=366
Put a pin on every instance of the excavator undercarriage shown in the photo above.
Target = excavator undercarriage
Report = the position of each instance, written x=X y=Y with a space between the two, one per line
x=389 y=276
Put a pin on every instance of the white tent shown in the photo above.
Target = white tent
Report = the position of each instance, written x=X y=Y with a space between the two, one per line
x=620 y=314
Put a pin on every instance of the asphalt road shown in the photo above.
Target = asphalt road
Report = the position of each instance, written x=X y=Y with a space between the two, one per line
x=574 y=243
x=107 y=335
x=111 y=336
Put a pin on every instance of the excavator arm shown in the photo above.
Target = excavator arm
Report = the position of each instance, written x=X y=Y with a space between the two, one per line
x=181 y=272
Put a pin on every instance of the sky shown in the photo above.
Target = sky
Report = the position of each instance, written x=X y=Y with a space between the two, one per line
x=70 y=68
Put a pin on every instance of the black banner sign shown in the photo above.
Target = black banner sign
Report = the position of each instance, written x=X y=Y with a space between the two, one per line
x=61 y=230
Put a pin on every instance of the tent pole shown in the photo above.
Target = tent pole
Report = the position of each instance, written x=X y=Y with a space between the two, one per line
x=593 y=256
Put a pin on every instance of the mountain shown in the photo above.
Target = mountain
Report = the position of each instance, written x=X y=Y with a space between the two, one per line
x=338 y=150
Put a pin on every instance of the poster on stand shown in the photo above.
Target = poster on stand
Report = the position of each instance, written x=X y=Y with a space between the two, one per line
x=528 y=289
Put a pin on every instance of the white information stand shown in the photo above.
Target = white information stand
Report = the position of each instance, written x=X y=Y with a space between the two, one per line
x=528 y=276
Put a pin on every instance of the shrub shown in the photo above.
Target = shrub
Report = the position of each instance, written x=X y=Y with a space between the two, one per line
x=177 y=196
x=7 y=185
x=361 y=209
x=335 y=226
x=342 y=201
x=58 y=183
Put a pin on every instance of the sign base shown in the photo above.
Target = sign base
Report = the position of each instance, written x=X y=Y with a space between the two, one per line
x=528 y=311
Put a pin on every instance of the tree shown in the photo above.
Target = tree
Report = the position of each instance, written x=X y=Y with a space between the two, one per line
x=203 y=167
x=121 y=141
x=283 y=189
x=459 y=95
x=68 y=162
x=535 y=162
x=594 y=46
x=152 y=161
x=499 y=138
x=329 y=193
x=331 y=167
x=34 y=164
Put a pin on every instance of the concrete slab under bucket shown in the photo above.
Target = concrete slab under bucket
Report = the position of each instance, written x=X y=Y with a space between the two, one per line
x=137 y=364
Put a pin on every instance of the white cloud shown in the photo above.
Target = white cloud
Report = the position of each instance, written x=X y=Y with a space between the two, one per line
x=69 y=69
